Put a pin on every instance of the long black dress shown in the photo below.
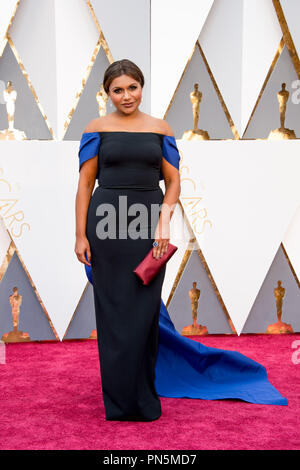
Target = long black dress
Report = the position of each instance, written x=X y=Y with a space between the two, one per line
x=127 y=313
x=142 y=356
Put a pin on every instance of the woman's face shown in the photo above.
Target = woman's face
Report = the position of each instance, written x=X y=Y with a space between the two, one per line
x=125 y=90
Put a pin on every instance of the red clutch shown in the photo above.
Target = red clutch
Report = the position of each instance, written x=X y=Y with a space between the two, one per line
x=150 y=266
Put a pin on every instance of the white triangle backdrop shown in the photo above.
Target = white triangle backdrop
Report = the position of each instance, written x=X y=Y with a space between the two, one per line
x=250 y=192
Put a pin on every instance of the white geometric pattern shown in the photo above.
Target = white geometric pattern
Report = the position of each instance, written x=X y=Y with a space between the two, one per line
x=4 y=241
x=291 y=10
x=239 y=39
x=7 y=10
x=58 y=60
x=291 y=242
x=41 y=220
x=239 y=52
x=172 y=42
x=248 y=193
x=126 y=27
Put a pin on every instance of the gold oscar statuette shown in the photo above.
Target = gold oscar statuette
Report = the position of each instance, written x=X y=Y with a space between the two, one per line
x=14 y=336
x=279 y=327
x=93 y=334
x=10 y=96
x=195 y=328
x=102 y=99
x=282 y=133
x=195 y=134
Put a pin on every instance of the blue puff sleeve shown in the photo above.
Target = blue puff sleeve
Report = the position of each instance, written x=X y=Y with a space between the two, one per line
x=89 y=146
x=170 y=152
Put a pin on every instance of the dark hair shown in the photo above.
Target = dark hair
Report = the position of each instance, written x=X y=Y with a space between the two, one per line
x=120 y=67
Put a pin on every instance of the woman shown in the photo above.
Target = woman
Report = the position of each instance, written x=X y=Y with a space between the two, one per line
x=141 y=354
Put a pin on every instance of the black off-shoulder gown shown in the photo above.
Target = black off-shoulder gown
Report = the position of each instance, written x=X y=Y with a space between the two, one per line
x=127 y=313
x=142 y=356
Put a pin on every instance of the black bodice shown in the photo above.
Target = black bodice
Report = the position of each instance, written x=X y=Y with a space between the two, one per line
x=130 y=159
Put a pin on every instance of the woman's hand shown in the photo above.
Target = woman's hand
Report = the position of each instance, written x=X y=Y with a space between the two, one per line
x=162 y=237
x=82 y=246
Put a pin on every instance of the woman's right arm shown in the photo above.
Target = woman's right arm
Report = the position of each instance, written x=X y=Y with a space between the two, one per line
x=86 y=183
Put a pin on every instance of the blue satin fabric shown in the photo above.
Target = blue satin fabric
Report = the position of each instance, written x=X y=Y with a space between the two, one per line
x=170 y=152
x=186 y=368
x=89 y=146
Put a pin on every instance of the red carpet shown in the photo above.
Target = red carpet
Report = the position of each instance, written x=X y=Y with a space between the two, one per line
x=51 y=399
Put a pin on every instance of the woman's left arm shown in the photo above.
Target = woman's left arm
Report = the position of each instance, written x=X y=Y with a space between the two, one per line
x=172 y=192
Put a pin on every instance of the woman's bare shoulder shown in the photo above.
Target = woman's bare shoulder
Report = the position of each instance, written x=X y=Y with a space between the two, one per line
x=96 y=125
x=168 y=128
x=163 y=126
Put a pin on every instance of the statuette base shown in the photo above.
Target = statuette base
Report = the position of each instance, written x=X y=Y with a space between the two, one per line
x=195 y=134
x=15 y=337
x=93 y=334
x=281 y=133
x=279 y=328
x=194 y=330
x=14 y=134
